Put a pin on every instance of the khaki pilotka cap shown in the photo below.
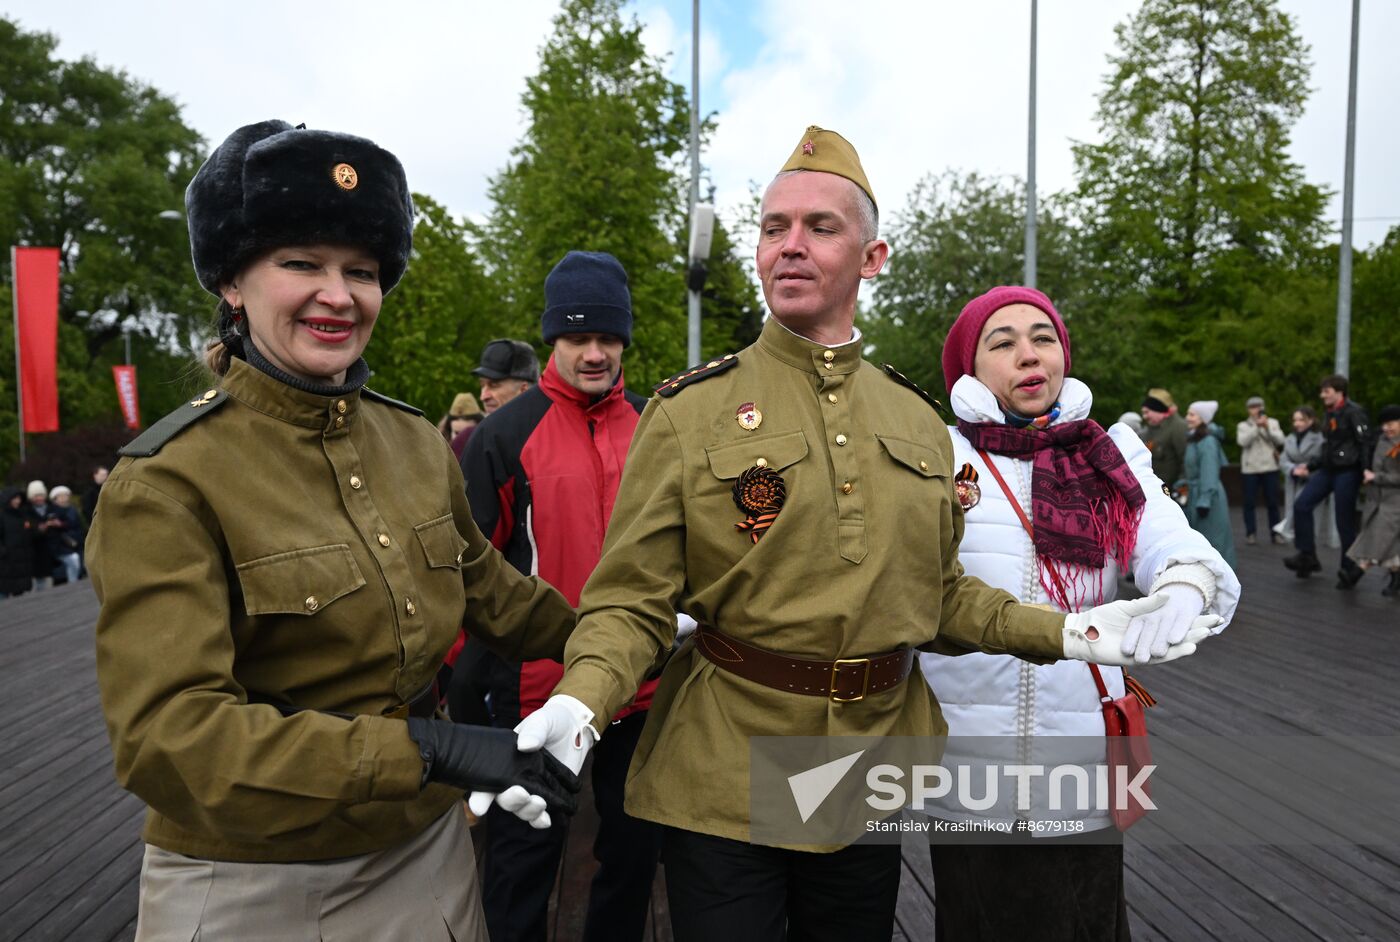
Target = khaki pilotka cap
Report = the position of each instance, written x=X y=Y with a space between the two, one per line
x=829 y=152
x=465 y=406
x=1162 y=396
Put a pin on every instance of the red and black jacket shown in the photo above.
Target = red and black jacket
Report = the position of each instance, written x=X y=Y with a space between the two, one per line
x=542 y=475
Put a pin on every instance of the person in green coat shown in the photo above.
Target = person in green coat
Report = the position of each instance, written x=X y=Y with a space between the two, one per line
x=1206 y=505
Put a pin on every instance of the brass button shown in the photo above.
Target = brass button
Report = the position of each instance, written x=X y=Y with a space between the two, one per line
x=459 y=557
x=312 y=604
x=831 y=398
x=840 y=439
x=923 y=465
x=762 y=462
x=847 y=487
x=355 y=481
x=829 y=356
x=340 y=421
x=410 y=607
x=340 y=406
x=827 y=365
x=383 y=540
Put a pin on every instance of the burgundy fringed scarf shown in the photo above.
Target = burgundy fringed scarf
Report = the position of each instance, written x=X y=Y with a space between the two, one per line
x=1086 y=503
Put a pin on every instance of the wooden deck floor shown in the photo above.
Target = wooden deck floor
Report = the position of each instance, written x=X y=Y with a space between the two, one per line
x=1300 y=659
x=70 y=852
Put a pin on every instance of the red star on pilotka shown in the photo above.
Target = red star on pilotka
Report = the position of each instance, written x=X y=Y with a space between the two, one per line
x=808 y=149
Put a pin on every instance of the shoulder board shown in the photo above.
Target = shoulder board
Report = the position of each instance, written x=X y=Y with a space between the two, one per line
x=908 y=383
x=367 y=393
x=695 y=374
x=154 y=438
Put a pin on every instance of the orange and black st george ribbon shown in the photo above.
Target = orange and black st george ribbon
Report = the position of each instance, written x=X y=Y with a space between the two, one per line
x=968 y=490
x=759 y=493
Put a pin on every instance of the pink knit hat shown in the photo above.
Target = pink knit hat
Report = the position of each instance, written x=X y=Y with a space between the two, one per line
x=960 y=349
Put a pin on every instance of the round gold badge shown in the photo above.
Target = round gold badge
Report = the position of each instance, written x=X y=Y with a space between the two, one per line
x=748 y=416
x=345 y=176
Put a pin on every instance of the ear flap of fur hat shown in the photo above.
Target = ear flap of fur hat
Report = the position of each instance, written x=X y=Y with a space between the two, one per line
x=270 y=184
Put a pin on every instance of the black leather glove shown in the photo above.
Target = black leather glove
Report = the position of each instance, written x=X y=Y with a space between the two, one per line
x=1203 y=512
x=480 y=758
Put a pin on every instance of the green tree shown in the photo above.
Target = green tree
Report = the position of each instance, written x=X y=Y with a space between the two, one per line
x=598 y=169
x=958 y=236
x=436 y=321
x=1375 y=349
x=1197 y=220
x=89 y=159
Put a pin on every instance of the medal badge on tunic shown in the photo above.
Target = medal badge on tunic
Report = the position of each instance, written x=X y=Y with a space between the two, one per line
x=968 y=490
x=760 y=493
x=748 y=416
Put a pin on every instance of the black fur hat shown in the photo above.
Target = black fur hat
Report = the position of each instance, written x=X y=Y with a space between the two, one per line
x=270 y=184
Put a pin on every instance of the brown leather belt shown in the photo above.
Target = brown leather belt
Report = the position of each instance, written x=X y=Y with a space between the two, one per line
x=844 y=680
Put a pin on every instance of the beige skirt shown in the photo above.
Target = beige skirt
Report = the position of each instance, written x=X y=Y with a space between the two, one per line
x=423 y=889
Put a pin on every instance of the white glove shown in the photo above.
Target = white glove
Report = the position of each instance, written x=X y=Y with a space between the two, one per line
x=1150 y=635
x=563 y=727
x=1099 y=635
x=685 y=626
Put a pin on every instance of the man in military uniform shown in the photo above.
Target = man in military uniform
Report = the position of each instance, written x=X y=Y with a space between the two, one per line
x=1165 y=437
x=798 y=502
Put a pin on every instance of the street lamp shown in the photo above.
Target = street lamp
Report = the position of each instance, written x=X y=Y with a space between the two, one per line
x=702 y=233
x=694 y=282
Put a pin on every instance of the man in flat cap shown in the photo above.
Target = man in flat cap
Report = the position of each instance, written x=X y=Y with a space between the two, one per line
x=507 y=369
x=799 y=503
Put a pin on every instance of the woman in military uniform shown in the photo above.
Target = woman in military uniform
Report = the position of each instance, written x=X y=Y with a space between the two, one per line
x=282 y=564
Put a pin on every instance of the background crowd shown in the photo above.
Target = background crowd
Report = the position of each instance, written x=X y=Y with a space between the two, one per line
x=1328 y=476
x=41 y=534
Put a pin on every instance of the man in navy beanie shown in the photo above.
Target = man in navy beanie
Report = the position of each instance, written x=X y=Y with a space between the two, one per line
x=586 y=293
x=542 y=473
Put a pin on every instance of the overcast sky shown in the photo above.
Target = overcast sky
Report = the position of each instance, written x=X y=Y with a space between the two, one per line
x=918 y=87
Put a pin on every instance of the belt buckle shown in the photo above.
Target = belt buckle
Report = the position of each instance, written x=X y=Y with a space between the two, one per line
x=836 y=666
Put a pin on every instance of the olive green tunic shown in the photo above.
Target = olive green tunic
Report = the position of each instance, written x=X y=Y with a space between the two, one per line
x=305 y=550
x=861 y=560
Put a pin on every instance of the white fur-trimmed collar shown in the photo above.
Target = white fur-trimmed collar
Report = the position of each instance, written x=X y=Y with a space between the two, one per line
x=973 y=402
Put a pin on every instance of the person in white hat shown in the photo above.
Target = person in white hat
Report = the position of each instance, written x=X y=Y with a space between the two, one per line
x=65 y=533
x=37 y=509
x=1206 y=505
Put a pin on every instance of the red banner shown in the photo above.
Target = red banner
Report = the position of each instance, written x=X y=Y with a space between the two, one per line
x=125 y=378
x=36 y=334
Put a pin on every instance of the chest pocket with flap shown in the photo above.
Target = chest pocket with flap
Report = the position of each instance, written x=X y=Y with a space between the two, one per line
x=729 y=460
x=923 y=460
x=442 y=544
x=300 y=582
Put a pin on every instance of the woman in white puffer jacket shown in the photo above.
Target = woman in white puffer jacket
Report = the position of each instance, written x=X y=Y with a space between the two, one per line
x=1097 y=509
